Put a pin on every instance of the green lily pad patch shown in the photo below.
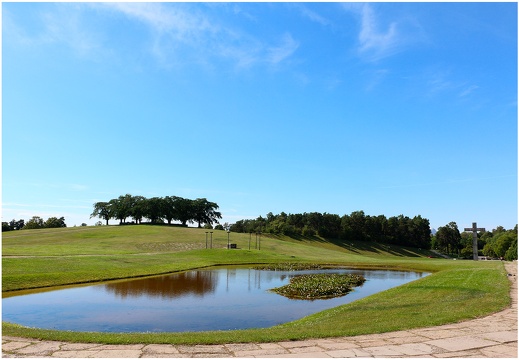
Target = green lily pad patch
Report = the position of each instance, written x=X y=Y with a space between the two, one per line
x=319 y=286
x=289 y=266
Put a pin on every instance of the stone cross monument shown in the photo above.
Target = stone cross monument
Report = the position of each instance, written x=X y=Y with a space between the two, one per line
x=475 y=230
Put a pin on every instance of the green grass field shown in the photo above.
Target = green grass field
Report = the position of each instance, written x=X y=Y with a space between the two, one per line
x=456 y=290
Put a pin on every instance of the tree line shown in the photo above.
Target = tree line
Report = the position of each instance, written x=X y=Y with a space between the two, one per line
x=35 y=222
x=398 y=230
x=498 y=243
x=158 y=210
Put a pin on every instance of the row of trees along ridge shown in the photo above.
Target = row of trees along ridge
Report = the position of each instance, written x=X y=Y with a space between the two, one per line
x=398 y=230
x=158 y=209
x=35 y=222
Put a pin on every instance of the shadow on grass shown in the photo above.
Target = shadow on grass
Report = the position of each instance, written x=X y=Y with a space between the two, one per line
x=360 y=247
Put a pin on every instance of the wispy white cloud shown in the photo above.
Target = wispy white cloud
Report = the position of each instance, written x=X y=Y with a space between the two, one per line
x=377 y=41
x=58 y=26
x=380 y=43
x=243 y=56
x=310 y=14
x=441 y=80
x=467 y=90
x=72 y=31
x=186 y=34
x=12 y=32
x=174 y=34
x=175 y=21
x=172 y=28
x=276 y=54
x=375 y=77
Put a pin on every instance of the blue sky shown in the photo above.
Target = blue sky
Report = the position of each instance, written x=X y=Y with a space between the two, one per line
x=390 y=108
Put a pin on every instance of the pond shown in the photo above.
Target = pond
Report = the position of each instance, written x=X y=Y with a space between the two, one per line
x=209 y=299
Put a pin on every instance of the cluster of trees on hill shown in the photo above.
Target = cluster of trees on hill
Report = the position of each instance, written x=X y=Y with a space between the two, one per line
x=498 y=243
x=35 y=222
x=400 y=230
x=158 y=209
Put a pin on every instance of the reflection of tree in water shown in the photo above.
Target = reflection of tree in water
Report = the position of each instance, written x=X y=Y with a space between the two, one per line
x=195 y=283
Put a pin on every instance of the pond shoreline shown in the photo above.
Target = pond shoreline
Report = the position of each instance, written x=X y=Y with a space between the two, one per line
x=486 y=337
x=210 y=299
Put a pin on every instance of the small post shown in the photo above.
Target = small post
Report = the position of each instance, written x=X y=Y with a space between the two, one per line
x=259 y=243
x=206 y=239
x=475 y=230
x=211 y=239
x=228 y=241
x=250 y=237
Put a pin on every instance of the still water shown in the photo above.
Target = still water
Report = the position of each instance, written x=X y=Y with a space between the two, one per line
x=211 y=299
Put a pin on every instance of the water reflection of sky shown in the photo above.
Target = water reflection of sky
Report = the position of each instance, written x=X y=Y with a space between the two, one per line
x=217 y=299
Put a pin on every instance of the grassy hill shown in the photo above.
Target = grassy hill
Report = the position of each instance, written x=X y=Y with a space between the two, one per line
x=136 y=239
x=60 y=256
x=51 y=257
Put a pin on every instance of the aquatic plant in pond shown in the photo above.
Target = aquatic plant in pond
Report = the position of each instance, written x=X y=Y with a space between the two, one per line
x=319 y=286
x=288 y=266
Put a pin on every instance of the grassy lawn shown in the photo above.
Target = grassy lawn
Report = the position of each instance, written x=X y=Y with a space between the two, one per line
x=456 y=290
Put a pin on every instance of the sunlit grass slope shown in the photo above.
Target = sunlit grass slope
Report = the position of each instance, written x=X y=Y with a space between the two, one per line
x=138 y=239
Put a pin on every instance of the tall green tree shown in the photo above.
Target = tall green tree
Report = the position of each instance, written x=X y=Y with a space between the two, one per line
x=314 y=221
x=17 y=225
x=354 y=226
x=54 y=222
x=138 y=208
x=13 y=225
x=121 y=207
x=511 y=253
x=449 y=237
x=503 y=244
x=205 y=212
x=154 y=209
x=170 y=210
x=102 y=210
x=421 y=232
x=185 y=210
x=330 y=226
x=35 y=222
